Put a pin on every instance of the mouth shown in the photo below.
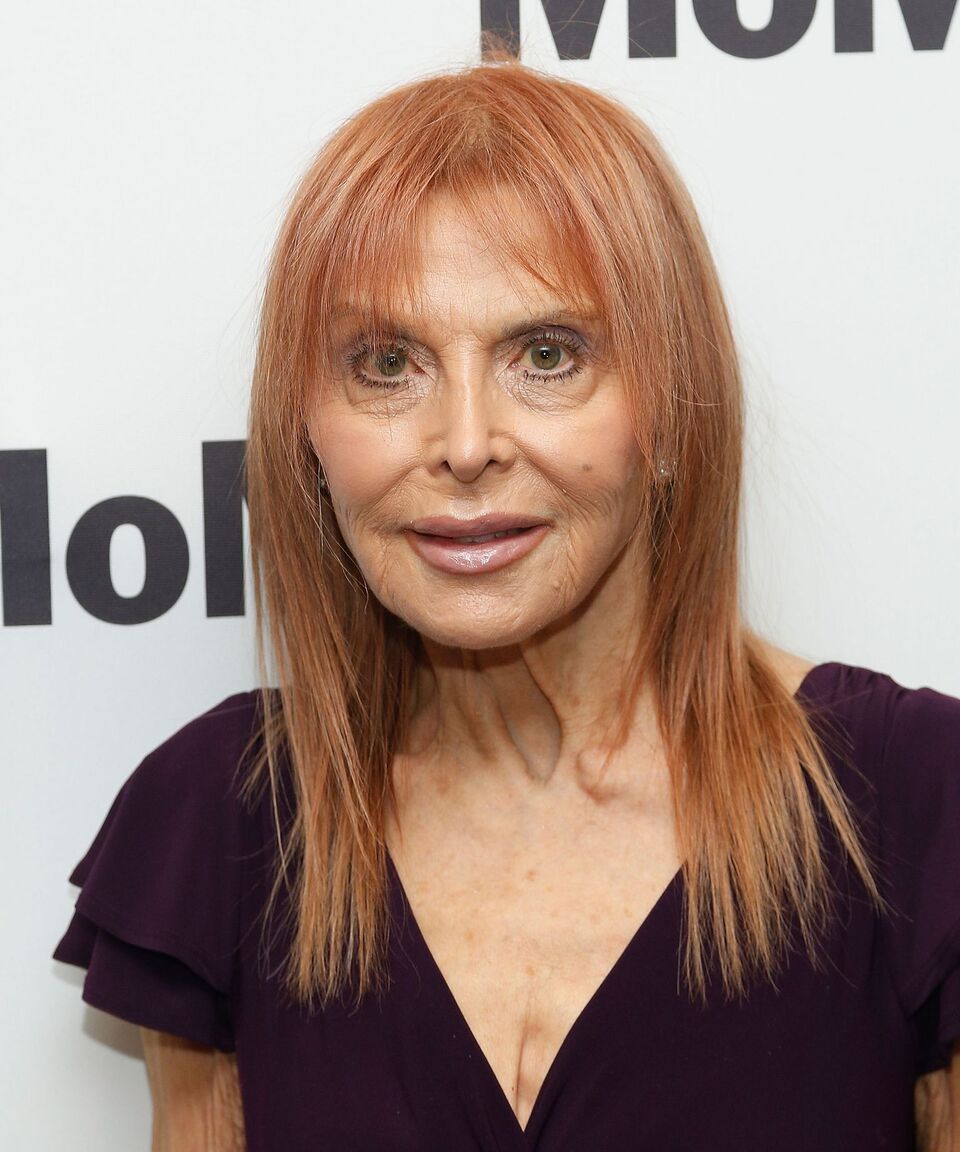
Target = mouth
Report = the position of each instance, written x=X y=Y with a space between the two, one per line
x=491 y=526
x=473 y=553
x=484 y=539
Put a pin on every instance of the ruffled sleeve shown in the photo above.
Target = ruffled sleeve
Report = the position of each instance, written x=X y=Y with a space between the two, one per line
x=157 y=921
x=920 y=799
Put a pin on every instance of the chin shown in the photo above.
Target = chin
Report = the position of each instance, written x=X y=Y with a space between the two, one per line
x=476 y=631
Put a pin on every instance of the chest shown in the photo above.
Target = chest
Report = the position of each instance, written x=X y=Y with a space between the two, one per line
x=523 y=938
x=525 y=1017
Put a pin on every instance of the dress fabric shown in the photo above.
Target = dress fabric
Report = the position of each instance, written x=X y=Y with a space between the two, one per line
x=167 y=925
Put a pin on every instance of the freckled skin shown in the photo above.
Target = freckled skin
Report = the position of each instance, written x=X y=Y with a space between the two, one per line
x=467 y=434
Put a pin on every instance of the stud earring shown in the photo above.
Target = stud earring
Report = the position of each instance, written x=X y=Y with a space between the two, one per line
x=665 y=468
x=322 y=483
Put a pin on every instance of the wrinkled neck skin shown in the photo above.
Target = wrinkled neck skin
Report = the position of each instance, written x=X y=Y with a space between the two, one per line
x=536 y=715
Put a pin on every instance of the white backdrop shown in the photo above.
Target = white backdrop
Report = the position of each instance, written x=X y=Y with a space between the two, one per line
x=148 y=152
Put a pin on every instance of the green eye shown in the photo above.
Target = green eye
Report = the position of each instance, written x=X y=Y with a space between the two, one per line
x=545 y=350
x=391 y=362
x=546 y=356
x=388 y=362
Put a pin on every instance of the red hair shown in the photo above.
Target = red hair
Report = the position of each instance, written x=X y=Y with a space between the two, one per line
x=749 y=771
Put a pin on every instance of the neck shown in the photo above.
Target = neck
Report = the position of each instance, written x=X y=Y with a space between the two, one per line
x=538 y=712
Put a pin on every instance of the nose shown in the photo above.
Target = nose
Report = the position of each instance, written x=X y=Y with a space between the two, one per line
x=466 y=431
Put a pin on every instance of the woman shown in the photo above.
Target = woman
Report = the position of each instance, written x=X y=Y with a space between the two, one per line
x=536 y=843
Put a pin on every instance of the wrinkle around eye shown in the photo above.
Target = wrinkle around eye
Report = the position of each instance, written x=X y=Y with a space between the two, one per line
x=361 y=344
x=517 y=374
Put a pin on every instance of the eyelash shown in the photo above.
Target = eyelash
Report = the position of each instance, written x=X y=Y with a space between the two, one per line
x=362 y=349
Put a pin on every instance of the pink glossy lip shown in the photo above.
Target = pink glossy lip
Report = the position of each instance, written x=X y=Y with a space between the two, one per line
x=449 y=552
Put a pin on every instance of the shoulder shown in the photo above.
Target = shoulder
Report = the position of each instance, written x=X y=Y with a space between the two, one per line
x=874 y=706
x=899 y=765
x=164 y=902
x=919 y=777
x=915 y=771
x=208 y=750
x=220 y=728
x=185 y=789
x=789 y=666
x=906 y=738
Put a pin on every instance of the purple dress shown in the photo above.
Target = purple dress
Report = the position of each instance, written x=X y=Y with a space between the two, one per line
x=166 y=924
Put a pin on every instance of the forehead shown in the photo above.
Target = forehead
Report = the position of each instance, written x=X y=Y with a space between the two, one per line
x=497 y=240
x=488 y=265
x=460 y=279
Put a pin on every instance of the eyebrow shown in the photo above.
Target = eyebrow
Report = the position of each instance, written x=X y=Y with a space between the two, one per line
x=510 y=332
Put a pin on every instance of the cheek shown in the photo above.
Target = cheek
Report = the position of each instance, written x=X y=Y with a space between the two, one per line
x=362 y=458
x=595 y=464
x=608 y=456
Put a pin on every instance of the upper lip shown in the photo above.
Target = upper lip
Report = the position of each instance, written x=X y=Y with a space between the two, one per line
x=483 y=525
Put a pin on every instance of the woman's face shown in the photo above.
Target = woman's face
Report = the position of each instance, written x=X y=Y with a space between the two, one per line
x=493 y=404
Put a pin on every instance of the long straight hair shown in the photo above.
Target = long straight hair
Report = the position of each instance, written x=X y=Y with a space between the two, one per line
x=750 y=776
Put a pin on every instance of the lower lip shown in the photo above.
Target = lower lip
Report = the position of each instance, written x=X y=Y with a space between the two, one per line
x=450 y=555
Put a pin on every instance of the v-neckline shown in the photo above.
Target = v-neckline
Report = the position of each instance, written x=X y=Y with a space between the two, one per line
x=665 y=900
x=453 y=1005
